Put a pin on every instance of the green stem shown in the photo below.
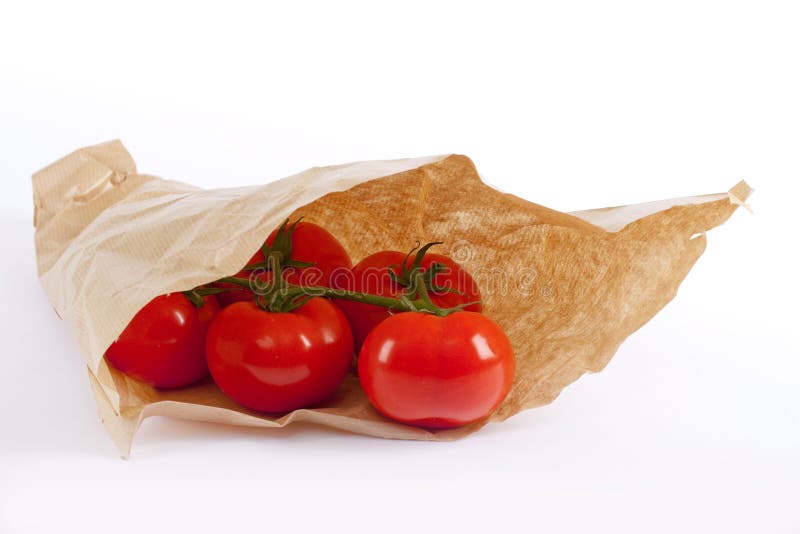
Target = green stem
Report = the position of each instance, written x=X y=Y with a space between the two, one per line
x=195 y=298
x=274 y=260
x=418 y=286
x=282 y=296
x=288 y=297
x=243 y=282
x=391 y=303
x=292 y=297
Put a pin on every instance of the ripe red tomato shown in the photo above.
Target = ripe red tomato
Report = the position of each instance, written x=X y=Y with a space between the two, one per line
x=164 y=344
x=310 y=243
x=371 y=275
x=277 y=362
x=436 y=372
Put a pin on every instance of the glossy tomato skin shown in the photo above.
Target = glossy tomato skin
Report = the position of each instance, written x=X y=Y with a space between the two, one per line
x=310 y=243
x=436 y=372
x=164 y=344
x=278 y=362
x=371 y=275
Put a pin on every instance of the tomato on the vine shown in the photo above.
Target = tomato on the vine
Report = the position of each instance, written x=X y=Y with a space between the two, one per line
x=450 y=286
x=164 y=344
x=436 y=372
x=315 y=257
x=277 y=362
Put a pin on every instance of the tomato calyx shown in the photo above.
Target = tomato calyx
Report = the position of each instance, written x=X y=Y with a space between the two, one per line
x=407 y=277
x=278 y=255
x=281 y=248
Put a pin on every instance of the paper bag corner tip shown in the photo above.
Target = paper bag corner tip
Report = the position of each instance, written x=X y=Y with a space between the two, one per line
x=111 y=154
x=119 y=428
x=459 y=156
x=740 y=192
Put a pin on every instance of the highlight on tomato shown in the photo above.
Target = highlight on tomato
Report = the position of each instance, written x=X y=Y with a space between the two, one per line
x=279 y=361
x=436 y=372
x=164 y=344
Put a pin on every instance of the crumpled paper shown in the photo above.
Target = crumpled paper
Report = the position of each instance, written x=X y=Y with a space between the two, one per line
x=567 y=288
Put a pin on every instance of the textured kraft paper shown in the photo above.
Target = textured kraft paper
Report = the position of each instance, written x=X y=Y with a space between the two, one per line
x=567 y=288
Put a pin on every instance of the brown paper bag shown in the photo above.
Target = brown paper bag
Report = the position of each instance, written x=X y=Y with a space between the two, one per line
x=567 y=288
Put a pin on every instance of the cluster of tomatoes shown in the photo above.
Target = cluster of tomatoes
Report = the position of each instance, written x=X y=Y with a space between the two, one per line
x=281 y=334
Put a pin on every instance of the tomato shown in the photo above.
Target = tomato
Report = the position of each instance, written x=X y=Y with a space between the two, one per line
x=277 y=362
x=310 y=243
x=164 y=344
x=371 y=275
x=436 y=372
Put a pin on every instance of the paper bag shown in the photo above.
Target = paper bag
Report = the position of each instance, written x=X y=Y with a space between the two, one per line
x=567 y=288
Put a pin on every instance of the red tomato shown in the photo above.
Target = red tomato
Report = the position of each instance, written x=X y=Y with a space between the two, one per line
x=371 y=275
x=310 y=243
x=436 y=372
x=164 y=344
x=277 y=362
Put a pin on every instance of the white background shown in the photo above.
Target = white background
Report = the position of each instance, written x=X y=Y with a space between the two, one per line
x=692 y=427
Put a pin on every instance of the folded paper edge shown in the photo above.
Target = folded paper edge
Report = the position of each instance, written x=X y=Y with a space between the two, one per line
x=120 y=429
x=615 y=218
x=110 y=154
x=739 y=193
